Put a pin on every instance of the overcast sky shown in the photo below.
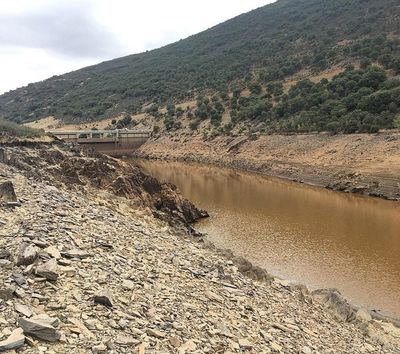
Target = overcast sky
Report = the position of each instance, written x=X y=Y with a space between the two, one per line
x=42 y=38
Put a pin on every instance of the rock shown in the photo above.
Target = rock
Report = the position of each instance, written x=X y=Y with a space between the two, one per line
x=245 y=344
x=252 y=271
x=5 y=263
x=40 y=243
x=4 y=254
x=24 y=310
x=53 y=252
x=27 y=254
x=75 y=253
x=98 y=349
x=6 y=293
x=7 y=193
x=40 y=328
x=51 y=321
x=389 y=328
x=19 y=279
x=214 y=297
x=334 y=301
x=190 y=346
x=363 y=315
x=103 y=297
x=14 y=341
x=84 y=330
x=175 y=341
x=306 y=350
x=122 y=323
x=275 y=346
x=48 y=270
x=128 y=284
x=126 y=340
x=155 y=333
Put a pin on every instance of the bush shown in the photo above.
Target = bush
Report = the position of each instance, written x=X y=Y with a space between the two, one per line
x=396 y=122
x=194 y=124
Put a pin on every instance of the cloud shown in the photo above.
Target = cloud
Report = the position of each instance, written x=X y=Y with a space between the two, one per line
x=42 y=38
x=66 y=28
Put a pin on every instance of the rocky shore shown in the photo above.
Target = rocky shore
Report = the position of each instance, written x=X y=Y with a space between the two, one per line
x=96 y=257
x=367 y=164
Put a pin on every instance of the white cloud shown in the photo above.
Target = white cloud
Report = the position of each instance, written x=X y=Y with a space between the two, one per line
x=42 y=38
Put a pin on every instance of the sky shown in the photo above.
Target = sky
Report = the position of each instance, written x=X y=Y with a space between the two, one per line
x=42 y=38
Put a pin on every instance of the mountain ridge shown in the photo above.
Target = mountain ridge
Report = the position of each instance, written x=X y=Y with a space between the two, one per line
x=260 y=48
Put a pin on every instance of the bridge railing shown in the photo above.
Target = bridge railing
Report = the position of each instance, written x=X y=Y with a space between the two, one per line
x=101 y=134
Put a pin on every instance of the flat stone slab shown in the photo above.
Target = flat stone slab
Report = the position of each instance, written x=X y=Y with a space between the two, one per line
x=40 y=327
x=14 y=341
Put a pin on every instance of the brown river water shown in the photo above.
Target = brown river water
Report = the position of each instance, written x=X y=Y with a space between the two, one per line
x=309 y=235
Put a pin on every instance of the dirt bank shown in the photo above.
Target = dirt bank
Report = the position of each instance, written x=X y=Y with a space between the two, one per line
x=360 y=163
x=94 y=258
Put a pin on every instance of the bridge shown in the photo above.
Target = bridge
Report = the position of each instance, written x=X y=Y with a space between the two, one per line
x=117 y=143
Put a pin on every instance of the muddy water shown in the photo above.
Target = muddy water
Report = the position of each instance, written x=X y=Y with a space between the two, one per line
x=309 y=235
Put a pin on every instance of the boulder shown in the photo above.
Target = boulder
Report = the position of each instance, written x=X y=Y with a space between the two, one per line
x=7 y=193
x=27 y=254
x=14 y=341
x=40 y=327
x=48 y=270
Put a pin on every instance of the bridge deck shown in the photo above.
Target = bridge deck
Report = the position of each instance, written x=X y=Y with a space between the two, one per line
x=111 y=142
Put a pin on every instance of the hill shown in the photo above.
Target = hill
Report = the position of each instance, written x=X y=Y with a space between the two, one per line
x=293 y=66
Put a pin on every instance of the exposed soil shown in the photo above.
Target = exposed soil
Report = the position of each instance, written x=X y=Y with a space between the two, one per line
x=360 y=163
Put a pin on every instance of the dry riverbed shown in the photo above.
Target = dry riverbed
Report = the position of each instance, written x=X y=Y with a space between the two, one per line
x=95 y=257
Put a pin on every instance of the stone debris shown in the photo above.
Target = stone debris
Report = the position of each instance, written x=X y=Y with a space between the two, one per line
x=40 y=327
x=4 y=254
x=14 y=341
x=27 y=254
x=53 y=252
x=363 y=315
x=155 y=333
x=103 y=297
x=334 y=301
x=7 y=193
x=157 y=289
x=23 y=310
x=245 y=344
x=48 y=270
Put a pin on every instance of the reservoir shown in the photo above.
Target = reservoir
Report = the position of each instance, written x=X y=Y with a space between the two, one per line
x=309 y=235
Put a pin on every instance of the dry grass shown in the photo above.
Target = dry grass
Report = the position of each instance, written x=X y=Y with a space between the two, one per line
x=8 y=128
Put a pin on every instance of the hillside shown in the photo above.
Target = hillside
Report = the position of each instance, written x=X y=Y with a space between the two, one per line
x=292 y=66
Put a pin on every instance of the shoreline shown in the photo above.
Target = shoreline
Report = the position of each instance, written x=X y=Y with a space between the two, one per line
x=127 y=279
x=392 y=318
x=316 y=160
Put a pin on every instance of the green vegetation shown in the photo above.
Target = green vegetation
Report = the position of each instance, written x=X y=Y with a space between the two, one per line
x=255 y=51
x=13 y=129
x=363 y=100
